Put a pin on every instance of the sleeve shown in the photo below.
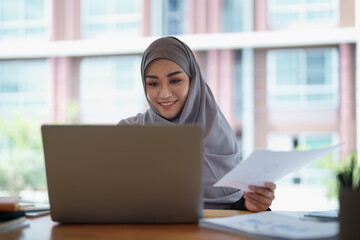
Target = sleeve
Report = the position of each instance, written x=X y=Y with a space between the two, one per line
x=135 y=120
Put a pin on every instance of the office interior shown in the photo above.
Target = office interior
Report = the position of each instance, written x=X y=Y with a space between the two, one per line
x=284 y=73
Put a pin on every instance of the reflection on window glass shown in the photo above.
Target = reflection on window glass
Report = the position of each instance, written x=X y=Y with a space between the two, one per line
x=173 y=17
x=111 y=17
x=25 y=87
x=283 y=13
x=302 y=78
x=110 y=88
x=232 y=16
x=25 y=18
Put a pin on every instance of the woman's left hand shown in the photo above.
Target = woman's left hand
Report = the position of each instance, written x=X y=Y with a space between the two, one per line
x=260 y=198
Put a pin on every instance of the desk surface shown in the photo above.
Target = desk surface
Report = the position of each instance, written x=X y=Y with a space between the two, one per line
x=45 y=228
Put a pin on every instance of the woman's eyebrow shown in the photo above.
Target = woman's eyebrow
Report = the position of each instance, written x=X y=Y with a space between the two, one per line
x=174 y=73
x=168 y=75
x=151 y=76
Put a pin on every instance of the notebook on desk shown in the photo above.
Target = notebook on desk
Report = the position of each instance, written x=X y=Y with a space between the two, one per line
x=123 y=174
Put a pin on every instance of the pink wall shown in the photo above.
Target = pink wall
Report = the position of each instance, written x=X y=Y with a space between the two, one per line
x=66 y=16
x=347 y=99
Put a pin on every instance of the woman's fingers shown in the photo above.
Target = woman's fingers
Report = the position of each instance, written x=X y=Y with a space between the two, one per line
x=254 y=205
x=264 y=199
x=260 y=198
x=267 y=193
x=270 y=186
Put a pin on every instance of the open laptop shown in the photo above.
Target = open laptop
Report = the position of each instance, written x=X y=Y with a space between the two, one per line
x=123 y=174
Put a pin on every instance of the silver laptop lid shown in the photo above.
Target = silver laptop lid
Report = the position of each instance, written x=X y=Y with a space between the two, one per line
x=124 y=174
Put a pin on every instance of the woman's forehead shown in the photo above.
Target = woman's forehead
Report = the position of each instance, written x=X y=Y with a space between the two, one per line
x=159 y=62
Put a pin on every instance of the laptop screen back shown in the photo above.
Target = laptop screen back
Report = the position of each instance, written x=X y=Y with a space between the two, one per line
x=123 y=174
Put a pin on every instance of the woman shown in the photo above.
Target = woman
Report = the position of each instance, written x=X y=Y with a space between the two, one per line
x=177 y=94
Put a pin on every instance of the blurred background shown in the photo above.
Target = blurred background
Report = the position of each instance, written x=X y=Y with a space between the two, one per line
x=284 y=72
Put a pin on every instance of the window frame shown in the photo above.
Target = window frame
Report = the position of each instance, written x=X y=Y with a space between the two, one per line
x=22 y=25
x=302 y=9
x=21 y=99
x=303 y=90
x=91 y=98
x=110 y=21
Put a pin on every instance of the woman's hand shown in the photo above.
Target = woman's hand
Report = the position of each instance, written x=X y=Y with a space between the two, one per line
x=260 y=198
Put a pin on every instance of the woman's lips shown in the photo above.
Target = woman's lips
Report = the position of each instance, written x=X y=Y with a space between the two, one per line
x=167 y=105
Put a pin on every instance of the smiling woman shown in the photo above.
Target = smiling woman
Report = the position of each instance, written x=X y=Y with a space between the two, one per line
x=167 y=87
x=178 y=94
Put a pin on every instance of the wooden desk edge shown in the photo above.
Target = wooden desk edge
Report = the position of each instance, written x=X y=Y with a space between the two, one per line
x=212 y=213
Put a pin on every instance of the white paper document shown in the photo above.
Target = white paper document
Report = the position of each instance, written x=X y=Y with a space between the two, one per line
x=268 y=166
x=272 y=225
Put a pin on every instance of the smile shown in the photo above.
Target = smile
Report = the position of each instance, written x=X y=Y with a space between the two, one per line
x=167 y=105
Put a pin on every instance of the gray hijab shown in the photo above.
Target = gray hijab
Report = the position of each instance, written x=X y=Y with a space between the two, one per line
x=220 y=152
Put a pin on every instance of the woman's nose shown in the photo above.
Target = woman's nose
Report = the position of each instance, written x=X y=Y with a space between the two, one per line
x=165 y=92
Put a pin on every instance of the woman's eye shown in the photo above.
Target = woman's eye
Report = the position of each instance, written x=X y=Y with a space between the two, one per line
x=152 y=84
x=175 y=81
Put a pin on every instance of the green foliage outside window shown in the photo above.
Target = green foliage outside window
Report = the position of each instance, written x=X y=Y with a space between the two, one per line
x=350 y=162
x=21 y=156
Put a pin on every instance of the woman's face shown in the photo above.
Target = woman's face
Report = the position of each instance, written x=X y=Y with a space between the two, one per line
x=167 y=87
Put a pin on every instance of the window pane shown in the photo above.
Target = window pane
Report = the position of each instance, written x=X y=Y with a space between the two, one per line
x=10 y=10
x=284 y=19
x=127 y=27
x=122 y=7
x=24 y=18
x=35 y=31
x=238 y=87
x=94 y=7
x=318 y=141
x=101 y=17
x=316 y=69
x=110 y=88
x=25 y=88
x=287 y=99
x=303 y=78
x=232 y=16
x=319 y=67
x=9 y=78
x=35 y=73
x=317 y=98
x=319 y=15
x=124 y=69
x=34 y=9
x=173 y=17
x=287 y=69
x=283 y=13
x=285 y=2
x=317 y=1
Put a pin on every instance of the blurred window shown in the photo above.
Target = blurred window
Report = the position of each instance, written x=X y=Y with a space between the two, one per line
x=25 y=88
x=238 y=86
x=110 y=88
x=25 y=18
x=111 y=17
x=285 y=13
x=315 y=172
x=303 y=78
x=232 y=15
x=173 y=17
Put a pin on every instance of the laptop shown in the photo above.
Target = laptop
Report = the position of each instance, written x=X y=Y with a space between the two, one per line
x=124 y=174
